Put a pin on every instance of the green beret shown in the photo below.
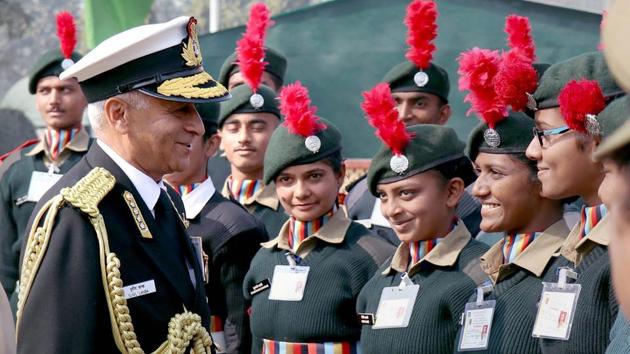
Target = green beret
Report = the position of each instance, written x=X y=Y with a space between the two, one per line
x=239 y=103
x=400 y=79
x=48 y=64
x=613 y=116
x=277 y=66
x=515 y=133
x=431 y=146
x=287 y=149
x=611 y=121
x=589 y=66
x=209 y=113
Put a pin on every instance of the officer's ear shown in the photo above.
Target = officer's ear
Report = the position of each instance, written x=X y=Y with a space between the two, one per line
x=117 y=114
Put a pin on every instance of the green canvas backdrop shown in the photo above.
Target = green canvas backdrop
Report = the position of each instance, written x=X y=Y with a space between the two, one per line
x=341 y=48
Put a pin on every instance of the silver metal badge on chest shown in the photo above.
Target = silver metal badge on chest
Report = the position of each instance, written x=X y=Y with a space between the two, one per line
x=421 y=78
x=257 y=100
x=492 y=137
x=313 y=144
x=399 y=163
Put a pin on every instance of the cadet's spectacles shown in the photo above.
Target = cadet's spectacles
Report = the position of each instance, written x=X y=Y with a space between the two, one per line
x=543 y=135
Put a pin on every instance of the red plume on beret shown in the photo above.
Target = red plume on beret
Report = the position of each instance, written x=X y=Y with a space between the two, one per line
x=477 y=70
x=380 y=108
x=520 y=36
x=67 y=33
x=250 y=49
x=421 y=31
x=579 y=98
x=299 y=115
x=516 y=76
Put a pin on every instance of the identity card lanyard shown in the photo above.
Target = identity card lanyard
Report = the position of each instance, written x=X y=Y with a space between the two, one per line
x=477 y=322
x=396 y=304
x=557 y=307
x=288 y=282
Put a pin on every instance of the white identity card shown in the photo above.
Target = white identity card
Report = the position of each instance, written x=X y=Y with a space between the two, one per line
x=288 y=283
x=40 y=183
x=477 y=325
x=395 y=307
x=556 y=310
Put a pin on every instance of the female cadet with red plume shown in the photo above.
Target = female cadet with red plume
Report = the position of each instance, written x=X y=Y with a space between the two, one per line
x=304 y=283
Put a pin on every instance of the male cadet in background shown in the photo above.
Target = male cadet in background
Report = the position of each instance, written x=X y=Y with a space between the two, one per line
x=28 y=173
x=229 y=234
x=110 y=267
x=245 y=132
x=420 y=89
x=231 y=77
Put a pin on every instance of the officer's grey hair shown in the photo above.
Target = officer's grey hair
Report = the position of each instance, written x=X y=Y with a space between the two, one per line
x=96 y=110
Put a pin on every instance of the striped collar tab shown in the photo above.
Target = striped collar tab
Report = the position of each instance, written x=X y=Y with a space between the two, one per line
x=534 y=258
x=243 y=191
x=299 y=230
x=444 y=254
x=187 y=188
x=514 y=245
x=58 y=139
x=590 y=217
x=333 y=232
x=419 y=249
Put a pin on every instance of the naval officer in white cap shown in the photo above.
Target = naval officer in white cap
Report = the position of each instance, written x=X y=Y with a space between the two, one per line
x=107 y=266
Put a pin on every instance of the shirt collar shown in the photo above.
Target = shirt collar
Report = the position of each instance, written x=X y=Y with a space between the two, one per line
x=575 y=249
x=534 y=258
x=79 y=143
x=198 y=198
x=444 y=254
x=148 y=189
x=266 y=195
x=334 y=231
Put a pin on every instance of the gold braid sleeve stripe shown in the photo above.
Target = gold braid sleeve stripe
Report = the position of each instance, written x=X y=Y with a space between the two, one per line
x=184 y=329
x=187 y=87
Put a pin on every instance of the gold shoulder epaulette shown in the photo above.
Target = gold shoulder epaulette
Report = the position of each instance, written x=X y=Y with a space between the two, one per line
x=85 y=195
x=184 y=330
x=90 y=190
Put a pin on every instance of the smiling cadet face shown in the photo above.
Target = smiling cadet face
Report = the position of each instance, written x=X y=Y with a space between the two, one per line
x=309 y=191
x=420 y=207
x=510 y=196
x=558 y=158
